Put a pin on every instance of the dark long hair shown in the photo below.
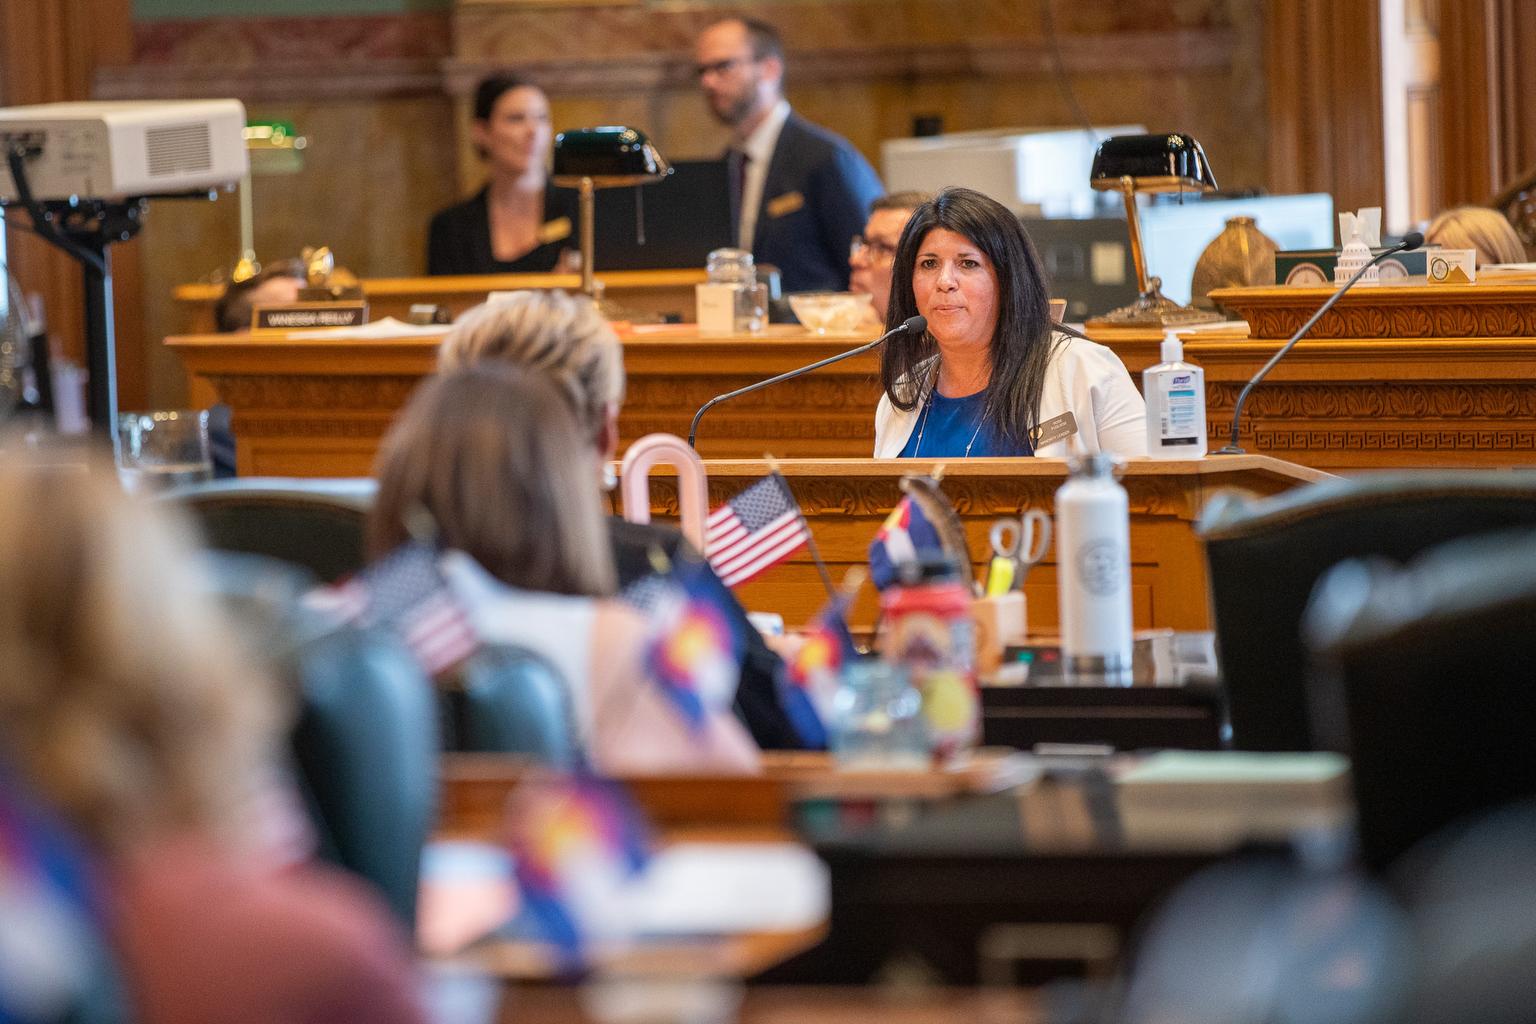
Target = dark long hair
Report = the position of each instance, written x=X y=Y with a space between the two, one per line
x=493 y=88
x=1022 y=342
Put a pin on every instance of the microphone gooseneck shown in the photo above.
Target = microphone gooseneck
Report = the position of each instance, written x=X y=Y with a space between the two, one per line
x=1412 y=240
x=914 y=324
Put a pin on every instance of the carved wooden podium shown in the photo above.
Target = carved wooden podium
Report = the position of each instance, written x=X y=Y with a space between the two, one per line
x=662 y=292
x=1392 y=377
x=308 y=406
x=846 y=500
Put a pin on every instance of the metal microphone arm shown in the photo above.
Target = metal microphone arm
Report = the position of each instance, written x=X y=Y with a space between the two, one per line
x=916 y=324
x=1233 y=448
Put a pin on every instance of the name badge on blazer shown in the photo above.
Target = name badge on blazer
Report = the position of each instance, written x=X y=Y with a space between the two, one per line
x=554 y=230
x=1055 y=429
x=789 y=202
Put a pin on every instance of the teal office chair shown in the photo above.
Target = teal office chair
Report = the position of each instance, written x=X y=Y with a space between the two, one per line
x=364 y=747
x=1266 y=556
x=510 y=701
x=318 y=524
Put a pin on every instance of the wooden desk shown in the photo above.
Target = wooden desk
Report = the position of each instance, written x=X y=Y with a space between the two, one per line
x=659 y=292
x=846 y=500
x=1392 y=378
x=1061 y=855
x=306 y=406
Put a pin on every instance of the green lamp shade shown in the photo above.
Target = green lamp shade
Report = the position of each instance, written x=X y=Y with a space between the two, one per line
x=1171 y=162
x=609 y=155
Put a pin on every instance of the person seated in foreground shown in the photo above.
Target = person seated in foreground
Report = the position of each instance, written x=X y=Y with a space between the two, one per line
x=493 y=455
x=1487 y=232
x=872 y=253
x=992 y=375
x=128 y=705
x=567 y=338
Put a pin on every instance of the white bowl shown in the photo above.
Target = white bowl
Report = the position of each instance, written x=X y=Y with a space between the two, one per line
x=830 y=312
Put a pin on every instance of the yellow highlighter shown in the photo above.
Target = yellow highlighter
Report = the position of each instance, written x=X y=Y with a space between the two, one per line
x=999 y=576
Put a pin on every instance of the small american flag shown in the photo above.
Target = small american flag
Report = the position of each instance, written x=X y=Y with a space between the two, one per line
x=758 y=528
x=406 y=592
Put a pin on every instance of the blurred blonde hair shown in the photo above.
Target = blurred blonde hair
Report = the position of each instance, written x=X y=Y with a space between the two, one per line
x=1479 y=228
x=123 y=695
x=493 y=453
x=563 y=335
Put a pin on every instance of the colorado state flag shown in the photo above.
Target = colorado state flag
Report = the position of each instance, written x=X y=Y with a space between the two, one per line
x=815 y=673
x=576 y=843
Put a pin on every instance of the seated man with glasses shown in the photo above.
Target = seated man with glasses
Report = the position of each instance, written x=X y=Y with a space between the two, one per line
x=798 y=192
x=872 y=253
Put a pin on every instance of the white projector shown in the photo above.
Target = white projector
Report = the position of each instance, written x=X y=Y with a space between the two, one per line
x=124 y=149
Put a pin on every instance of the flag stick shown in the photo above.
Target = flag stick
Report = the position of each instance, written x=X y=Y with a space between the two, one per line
x=810 y=539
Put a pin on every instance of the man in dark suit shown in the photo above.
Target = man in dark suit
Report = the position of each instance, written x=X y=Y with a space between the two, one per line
x=800 y=193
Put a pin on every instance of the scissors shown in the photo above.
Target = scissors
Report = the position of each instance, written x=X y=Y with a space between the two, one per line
x=1017 y=545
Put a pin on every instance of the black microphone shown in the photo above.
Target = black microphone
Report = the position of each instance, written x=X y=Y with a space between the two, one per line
x=915 y=324
x=1412 y=240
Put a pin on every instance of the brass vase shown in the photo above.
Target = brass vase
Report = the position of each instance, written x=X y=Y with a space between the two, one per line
x=1240 y=255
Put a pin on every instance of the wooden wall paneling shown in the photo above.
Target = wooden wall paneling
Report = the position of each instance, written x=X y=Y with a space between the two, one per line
x=49 y=51
x=1468 y=141
x=1323 y=72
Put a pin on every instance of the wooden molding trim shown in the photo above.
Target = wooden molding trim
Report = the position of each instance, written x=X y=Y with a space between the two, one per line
x=320 y=80
x=1170 y=52
x=1492 y=311
x=340 y=76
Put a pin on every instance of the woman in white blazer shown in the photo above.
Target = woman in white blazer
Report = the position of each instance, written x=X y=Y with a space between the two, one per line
x=990 y=376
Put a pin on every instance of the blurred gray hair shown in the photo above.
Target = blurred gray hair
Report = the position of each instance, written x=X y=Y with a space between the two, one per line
x=562 y=335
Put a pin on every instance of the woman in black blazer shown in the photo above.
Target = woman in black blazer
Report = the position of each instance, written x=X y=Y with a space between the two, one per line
x=517 y=223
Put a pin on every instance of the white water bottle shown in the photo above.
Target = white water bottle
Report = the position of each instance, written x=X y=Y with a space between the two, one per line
x=1093 y=567
x=1175 y=394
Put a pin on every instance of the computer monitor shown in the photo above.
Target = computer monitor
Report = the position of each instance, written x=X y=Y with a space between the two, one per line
x=1174 y=234
x=684 y=216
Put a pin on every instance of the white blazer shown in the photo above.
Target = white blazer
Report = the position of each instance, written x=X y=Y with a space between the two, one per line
x=1083 y=378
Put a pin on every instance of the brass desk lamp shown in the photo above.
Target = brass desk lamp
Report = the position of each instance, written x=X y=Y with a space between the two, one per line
x=1173 y=162
x=588 y=159
x=273 y=147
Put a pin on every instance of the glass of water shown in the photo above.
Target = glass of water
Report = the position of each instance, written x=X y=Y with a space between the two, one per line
x=157 y=451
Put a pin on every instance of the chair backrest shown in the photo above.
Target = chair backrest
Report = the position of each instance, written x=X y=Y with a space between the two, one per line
x=1422 y=674
x=1266 y=556
x=511 y=701
x=318 y=524
x=366 y=750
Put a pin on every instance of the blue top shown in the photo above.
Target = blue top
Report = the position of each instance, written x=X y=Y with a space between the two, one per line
x=946 y=426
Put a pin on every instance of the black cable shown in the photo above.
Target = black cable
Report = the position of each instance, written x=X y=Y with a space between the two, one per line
x=16 y=158
x=1059 y=67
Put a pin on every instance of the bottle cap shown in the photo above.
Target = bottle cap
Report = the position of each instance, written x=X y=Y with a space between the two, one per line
x=1173 y=348
x=1095 y=464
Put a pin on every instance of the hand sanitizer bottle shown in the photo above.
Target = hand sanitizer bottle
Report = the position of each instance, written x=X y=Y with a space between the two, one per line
x=1175 y=394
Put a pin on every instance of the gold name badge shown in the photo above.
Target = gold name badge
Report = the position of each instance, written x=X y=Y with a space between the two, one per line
x=789 y=202
x=555 y=230
x=1055 y=429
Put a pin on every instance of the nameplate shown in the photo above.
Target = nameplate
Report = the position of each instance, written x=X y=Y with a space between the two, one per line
x=1452 y=266
x=781 y=206
x=1055 y=429
x=557 y=230
x=293 y=316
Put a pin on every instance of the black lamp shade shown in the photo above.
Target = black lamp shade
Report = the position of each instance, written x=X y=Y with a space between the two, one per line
x=609 y=155
x=1171 y=162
